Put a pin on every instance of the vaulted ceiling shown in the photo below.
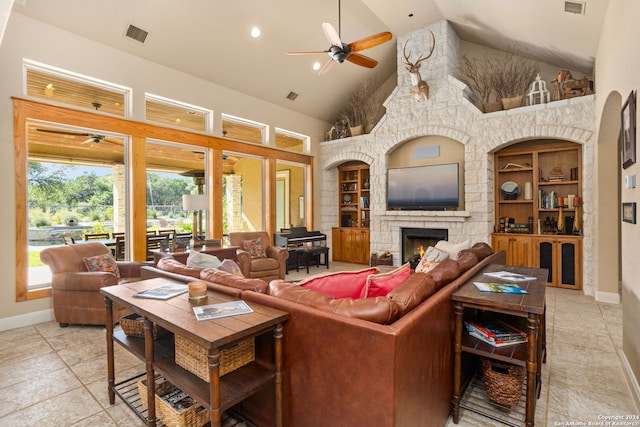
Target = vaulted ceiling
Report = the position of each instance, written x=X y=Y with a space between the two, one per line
x=211 y=39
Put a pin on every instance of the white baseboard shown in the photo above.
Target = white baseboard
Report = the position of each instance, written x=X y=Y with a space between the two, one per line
x=26 y=319
x=608 y=297
x=631 y=378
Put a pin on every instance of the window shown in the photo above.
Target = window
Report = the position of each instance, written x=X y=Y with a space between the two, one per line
x=163 y=110
x=292 y=141
x=290 y=197
x=243 y=193
x=65 y=87
x=243 y=130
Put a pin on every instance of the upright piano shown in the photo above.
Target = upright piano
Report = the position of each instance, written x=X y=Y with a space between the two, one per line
x=297 y=238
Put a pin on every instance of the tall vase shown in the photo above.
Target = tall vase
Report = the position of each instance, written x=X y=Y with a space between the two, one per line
x=560 y=225
x=577 y=222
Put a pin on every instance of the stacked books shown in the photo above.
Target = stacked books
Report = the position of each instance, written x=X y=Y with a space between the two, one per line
x=496 y=332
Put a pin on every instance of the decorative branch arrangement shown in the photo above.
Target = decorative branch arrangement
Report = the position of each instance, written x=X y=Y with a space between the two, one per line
x=513 y=74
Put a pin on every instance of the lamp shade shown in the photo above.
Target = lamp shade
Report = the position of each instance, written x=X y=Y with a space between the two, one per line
x=194 y=202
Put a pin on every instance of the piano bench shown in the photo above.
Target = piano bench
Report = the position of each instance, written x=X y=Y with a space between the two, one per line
x=306 y=256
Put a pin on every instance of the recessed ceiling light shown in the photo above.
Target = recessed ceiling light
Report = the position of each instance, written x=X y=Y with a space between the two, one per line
x=316 y=66
x=255 y=32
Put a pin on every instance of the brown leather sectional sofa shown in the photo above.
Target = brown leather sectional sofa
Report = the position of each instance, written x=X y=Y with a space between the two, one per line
x=345 y=371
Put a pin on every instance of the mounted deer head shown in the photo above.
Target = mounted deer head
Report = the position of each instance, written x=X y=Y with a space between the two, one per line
x=419 y=88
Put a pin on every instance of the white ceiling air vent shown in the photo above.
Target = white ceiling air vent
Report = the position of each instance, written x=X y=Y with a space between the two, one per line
x=576 y=7
x=292 y=96
x=136 y=33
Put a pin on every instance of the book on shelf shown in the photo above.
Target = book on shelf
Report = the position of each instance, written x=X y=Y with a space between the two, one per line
x=508 y=275
x=505 y=288
x=495 y=329
x=496 y=342
x=224 y=309
x=166 y=291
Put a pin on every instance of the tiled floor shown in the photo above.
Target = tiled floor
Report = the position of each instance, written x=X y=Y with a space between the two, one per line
x=52 y=376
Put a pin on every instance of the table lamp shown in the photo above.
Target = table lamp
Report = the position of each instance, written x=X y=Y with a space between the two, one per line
x=195 y=203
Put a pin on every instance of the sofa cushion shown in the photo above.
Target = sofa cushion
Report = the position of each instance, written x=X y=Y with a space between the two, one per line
x=255 y=247
x=431 y=258
x=342 y=284
x=417 y=288
x=172 y=265
x=453 y=248
x=466 y=259
x=230 y=266
x=104 y=263
x=378 y=310
x=200 y=260
x=379 y=285
x=481 y=250
x=446 y=272
x=234 y=281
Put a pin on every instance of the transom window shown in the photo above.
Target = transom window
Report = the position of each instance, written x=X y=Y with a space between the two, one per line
x=243 y=129
x=175 y=113
x=291 y=141
x=65 y=87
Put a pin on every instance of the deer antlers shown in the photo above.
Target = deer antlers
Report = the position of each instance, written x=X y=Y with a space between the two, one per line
x=419 y=88
x=414 y=66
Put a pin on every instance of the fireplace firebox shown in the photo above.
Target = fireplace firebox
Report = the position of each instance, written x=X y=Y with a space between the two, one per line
x=416 y=240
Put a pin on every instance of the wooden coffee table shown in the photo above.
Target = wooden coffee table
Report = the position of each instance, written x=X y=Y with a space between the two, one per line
x=176 y=315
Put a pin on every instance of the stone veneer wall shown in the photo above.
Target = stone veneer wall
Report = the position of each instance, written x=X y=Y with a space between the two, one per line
x=449 y=113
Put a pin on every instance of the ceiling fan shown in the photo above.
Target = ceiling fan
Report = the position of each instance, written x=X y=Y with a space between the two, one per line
x=339 y=51
x=91 y=137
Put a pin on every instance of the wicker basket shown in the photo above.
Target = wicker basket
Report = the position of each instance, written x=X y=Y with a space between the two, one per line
x=193 y=358
x=503 y=382
x=515 y=102
x=191 y=416
x=490 y=107
x=133 y=326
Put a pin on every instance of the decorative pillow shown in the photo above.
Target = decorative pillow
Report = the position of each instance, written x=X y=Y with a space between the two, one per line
x=230 y=266
x=254 y=247
x=104 y=262
x=172 y=265
x=431 y=258
x=200 y=260
x=379 y=285
x=343 y=284
x=453 y=248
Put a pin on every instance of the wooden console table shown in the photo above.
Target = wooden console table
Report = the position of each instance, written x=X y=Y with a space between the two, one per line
x=530 y=308
x=176 y=315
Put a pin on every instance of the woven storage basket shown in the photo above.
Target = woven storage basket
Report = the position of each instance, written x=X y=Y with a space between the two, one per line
x=503 y=382
x=490 y=107
x=193 y=358
x=193 y=416
x=133 y=326
x=515 y=102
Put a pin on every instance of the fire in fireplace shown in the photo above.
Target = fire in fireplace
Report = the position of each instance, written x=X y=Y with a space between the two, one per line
x=416 y=240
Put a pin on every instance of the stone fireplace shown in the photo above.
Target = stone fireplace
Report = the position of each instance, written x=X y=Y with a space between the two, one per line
x=451 y=113
x=414 y=241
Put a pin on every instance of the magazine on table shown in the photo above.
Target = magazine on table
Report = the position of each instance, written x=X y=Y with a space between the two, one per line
x=506 y=288
x=497 y=342
x=224 y=309
x=510 y=276
x=166 y=291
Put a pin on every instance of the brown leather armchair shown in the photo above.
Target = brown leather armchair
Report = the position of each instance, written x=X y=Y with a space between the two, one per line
x=76 y=291
x=268 y=268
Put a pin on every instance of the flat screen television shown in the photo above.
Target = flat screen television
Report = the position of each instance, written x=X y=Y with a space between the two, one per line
x=432 y=187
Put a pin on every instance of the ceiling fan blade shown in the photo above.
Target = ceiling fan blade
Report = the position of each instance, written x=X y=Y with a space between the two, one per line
x=307 y=53
x=331 y=34
x=326 y=67
x=63 y=132
x=369 y=42
x=363 y=61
